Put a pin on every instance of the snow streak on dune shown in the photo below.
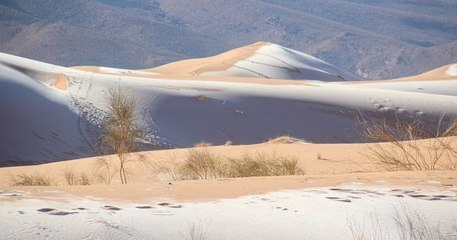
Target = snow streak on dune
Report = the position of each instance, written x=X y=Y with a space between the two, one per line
x=261 y=60
x=51 y=113
x=452 y=71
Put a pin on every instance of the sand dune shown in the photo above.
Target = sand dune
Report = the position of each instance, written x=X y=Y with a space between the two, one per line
x=180 y=111
x=259 y=60
x=441 y=81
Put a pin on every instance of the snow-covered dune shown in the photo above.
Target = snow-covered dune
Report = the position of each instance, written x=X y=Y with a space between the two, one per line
x=260 y=60
x=442 y=81
x=51 y=113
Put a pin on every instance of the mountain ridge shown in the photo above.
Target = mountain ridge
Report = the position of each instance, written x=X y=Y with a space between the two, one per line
x=358 y=36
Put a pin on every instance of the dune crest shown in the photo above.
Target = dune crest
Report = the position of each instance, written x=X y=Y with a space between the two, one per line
x=259 y=60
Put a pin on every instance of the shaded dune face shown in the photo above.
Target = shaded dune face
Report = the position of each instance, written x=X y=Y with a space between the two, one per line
x=36 y=124
x=249 y=119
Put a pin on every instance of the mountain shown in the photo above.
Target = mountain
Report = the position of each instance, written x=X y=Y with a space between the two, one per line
x=374 y=39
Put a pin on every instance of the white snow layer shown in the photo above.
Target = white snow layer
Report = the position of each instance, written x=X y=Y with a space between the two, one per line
x=321 y=213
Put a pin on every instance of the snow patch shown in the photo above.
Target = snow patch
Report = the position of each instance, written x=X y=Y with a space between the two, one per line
x=452 y=70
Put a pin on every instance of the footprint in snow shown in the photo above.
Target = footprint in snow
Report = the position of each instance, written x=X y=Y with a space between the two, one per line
x=169 y=205
x=112 y=208
x=55 y=212
x=339 y=199
x=46 y=210
x=61 y=213
x=143 y=207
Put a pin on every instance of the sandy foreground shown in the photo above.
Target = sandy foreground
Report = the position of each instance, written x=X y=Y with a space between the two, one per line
x=341 y=190
x=338 y=164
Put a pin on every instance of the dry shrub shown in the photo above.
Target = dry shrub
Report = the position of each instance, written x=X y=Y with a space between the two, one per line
x=104 y=170
x=202 y=144
x=198 y=231
x=262 y=164
x=229 y=143
x=70 y=176
x=409 y=225
x=413 y=225
x=83 y=179
x=73 y=178
x=410 y=145
x=121 y=134
x=35 y=179
x=201 y=163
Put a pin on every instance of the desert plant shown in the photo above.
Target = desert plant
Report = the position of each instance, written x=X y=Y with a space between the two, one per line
x=410 y=145
x=202 y=144
x=197 y=231
x=73 y=178
x=83 y=179
x=201 y=163
x=120 y=133
x=105 y=170
x=70 y=176
x=409 y=225
x=262 y=164
x=35 y=179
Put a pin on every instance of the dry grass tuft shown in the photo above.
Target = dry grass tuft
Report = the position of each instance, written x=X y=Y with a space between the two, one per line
x=35 y=179
x=261 y=164
x=409 y=225
x=198 y=231
x=410 y=146
x=83 y=179
x=201 y=163
x=203 y=144
x=72 y=178
x=105 y=170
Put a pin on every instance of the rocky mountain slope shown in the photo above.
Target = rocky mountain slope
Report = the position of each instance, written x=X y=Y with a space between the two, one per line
x=375 y=39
